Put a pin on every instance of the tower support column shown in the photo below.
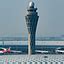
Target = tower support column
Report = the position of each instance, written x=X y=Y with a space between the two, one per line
x=31 y=43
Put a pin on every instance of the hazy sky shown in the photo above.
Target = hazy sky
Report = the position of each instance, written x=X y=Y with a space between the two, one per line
x=12 y=17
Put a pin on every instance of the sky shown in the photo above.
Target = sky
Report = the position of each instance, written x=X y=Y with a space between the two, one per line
x=13 y=12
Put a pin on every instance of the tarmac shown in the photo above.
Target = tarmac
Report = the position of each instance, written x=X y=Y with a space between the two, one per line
x=32 y=59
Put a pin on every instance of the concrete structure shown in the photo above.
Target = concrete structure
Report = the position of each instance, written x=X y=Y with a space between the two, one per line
x=31 y=21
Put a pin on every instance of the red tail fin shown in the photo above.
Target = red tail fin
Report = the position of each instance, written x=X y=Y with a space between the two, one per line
x=9 y=50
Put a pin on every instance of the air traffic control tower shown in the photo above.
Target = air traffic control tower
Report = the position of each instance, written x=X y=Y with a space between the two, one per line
x=31 y=21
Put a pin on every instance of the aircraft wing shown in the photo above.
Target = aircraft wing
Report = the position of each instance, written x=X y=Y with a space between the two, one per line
x=14 y=51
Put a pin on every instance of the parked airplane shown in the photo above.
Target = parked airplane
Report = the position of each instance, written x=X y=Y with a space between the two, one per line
x=59 y=50
x=5 y=50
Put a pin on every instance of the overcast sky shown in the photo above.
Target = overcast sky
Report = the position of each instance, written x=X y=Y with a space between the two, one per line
x=12 y=17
